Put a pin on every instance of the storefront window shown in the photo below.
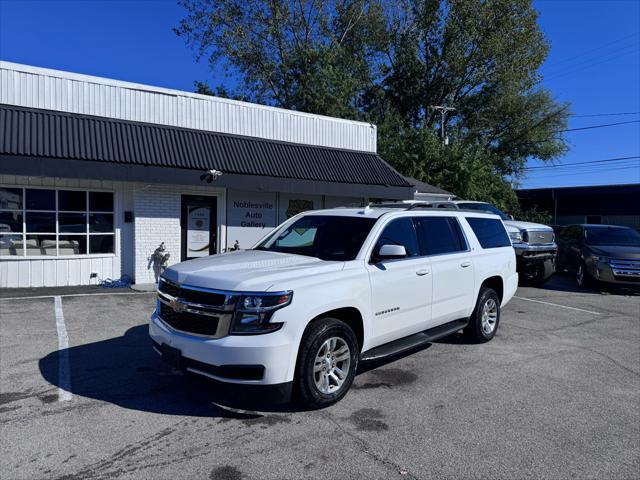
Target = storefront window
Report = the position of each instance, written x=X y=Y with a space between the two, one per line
x=48 y=222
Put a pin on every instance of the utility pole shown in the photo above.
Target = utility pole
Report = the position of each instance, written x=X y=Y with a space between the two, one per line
x=443 y=115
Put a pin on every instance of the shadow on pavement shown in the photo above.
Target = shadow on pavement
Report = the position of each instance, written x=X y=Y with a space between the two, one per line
x=126 y=371
x=564 y=282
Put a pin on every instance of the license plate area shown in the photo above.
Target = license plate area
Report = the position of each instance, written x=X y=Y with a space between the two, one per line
x=171 y=356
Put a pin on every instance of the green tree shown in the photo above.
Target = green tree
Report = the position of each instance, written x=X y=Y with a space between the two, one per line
x=482 y=58
x=308 y=55
x=387 y=64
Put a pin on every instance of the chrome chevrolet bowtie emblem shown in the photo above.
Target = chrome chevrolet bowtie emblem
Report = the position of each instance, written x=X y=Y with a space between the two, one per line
x=177 y=305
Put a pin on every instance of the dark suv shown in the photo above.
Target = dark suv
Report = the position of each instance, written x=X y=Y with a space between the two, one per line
x=600 y=253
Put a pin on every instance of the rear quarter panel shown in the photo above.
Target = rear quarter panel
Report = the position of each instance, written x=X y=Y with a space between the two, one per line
x=491 y=262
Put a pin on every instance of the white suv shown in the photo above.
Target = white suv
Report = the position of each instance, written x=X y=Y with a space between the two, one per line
x=329 y=289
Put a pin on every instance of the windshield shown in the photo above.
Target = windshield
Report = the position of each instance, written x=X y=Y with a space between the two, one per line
x=484 y=207
x=612 y=236
x=322 y=236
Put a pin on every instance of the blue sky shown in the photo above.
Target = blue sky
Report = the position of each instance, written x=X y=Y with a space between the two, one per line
x=594 y=63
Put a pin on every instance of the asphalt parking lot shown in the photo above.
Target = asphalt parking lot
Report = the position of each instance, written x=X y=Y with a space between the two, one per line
x=555 y=395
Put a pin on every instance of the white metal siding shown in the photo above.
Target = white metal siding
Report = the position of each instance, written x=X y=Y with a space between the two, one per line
x=55 y=90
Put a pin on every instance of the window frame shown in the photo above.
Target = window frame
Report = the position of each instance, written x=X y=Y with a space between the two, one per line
x=462 y=236
x=372 y=260
x=87 y=234
x=509 y=245
x=412 y=218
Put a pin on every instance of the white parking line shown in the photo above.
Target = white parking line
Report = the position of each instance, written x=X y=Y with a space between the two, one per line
x=557 y=305
x=79 y=295
x=64 y=374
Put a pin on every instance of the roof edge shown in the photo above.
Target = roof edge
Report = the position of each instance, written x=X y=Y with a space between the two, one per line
x=4 y=64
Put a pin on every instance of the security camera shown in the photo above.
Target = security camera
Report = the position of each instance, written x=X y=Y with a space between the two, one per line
x=210 y=175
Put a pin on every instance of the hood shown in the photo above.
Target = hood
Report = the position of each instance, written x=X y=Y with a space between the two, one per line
x=248 y=270
x=513 y=225
x=615 y=251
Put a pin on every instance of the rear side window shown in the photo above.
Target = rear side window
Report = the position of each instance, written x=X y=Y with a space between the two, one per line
x=490 y=232
x=399 y=232
x=439 y=235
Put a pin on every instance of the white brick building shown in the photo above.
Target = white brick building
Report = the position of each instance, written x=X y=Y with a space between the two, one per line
x=95 y=174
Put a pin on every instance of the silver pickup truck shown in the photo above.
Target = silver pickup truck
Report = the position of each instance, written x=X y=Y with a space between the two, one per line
x=534 y=243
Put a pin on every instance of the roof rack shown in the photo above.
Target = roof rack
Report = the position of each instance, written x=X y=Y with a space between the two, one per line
x=413 y=206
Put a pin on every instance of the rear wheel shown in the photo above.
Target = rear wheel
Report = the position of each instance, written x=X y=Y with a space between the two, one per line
x=327 y=362
x=485 y=318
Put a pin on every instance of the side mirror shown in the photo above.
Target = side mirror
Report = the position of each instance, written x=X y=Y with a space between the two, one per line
x=388 y=252
x=510 y=217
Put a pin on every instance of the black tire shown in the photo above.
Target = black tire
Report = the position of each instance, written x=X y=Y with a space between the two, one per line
x=537 y=274
x=583 y=278
x=476 y=331
x=319 y=332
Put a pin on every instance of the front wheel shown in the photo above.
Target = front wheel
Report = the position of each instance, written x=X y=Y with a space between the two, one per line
x=327 y=362
x=583 y=279
x=537 y=274
x=485 y=318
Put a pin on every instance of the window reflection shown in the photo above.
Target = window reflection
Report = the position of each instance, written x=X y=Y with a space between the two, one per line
x=31 y=225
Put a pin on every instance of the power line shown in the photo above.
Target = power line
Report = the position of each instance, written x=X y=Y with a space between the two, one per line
x=586 y=169
x=598 y=126
x=591 y=50
x=587 y=172
x=584 y=66
x=605 y=160
x=621 y=47
x=605 y=114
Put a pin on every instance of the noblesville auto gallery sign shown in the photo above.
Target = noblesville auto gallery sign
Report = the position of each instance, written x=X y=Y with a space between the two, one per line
x=250 y=215
x=253 y=214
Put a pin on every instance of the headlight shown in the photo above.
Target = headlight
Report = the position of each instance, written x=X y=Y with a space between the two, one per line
x=254 y=312
x=516 y=237
x=600 y=258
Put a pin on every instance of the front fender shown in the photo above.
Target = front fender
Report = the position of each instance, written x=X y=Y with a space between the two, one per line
x=315 y=301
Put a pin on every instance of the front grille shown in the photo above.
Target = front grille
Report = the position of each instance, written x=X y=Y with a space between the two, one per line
x=625 y=269
x=189 y=322
x=538 y=237
x=192 y=296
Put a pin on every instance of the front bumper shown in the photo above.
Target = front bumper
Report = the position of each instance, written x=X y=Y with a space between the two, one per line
x=231 y=359
x=607 y=273
x=526 y=253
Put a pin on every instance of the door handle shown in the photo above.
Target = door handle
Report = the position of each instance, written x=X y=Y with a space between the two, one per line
x=465 y=264
x=422 y=271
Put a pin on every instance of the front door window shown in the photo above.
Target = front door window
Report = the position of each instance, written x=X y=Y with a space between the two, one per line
x=199 y=225
x=198 y=230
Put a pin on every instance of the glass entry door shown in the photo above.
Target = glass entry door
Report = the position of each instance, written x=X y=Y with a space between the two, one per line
x=199 y=225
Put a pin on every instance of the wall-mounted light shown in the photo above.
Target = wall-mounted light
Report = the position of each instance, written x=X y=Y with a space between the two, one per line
x=210 y=175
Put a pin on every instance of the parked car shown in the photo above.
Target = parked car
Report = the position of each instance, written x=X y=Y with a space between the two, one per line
x=534 y=244
x=329 y=289
x=600 y=253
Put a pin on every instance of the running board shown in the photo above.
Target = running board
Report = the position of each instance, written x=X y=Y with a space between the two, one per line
x=413 y=341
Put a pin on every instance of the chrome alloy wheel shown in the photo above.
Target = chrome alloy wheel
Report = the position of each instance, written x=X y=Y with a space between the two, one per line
x=331 y=366
x=489 y=316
